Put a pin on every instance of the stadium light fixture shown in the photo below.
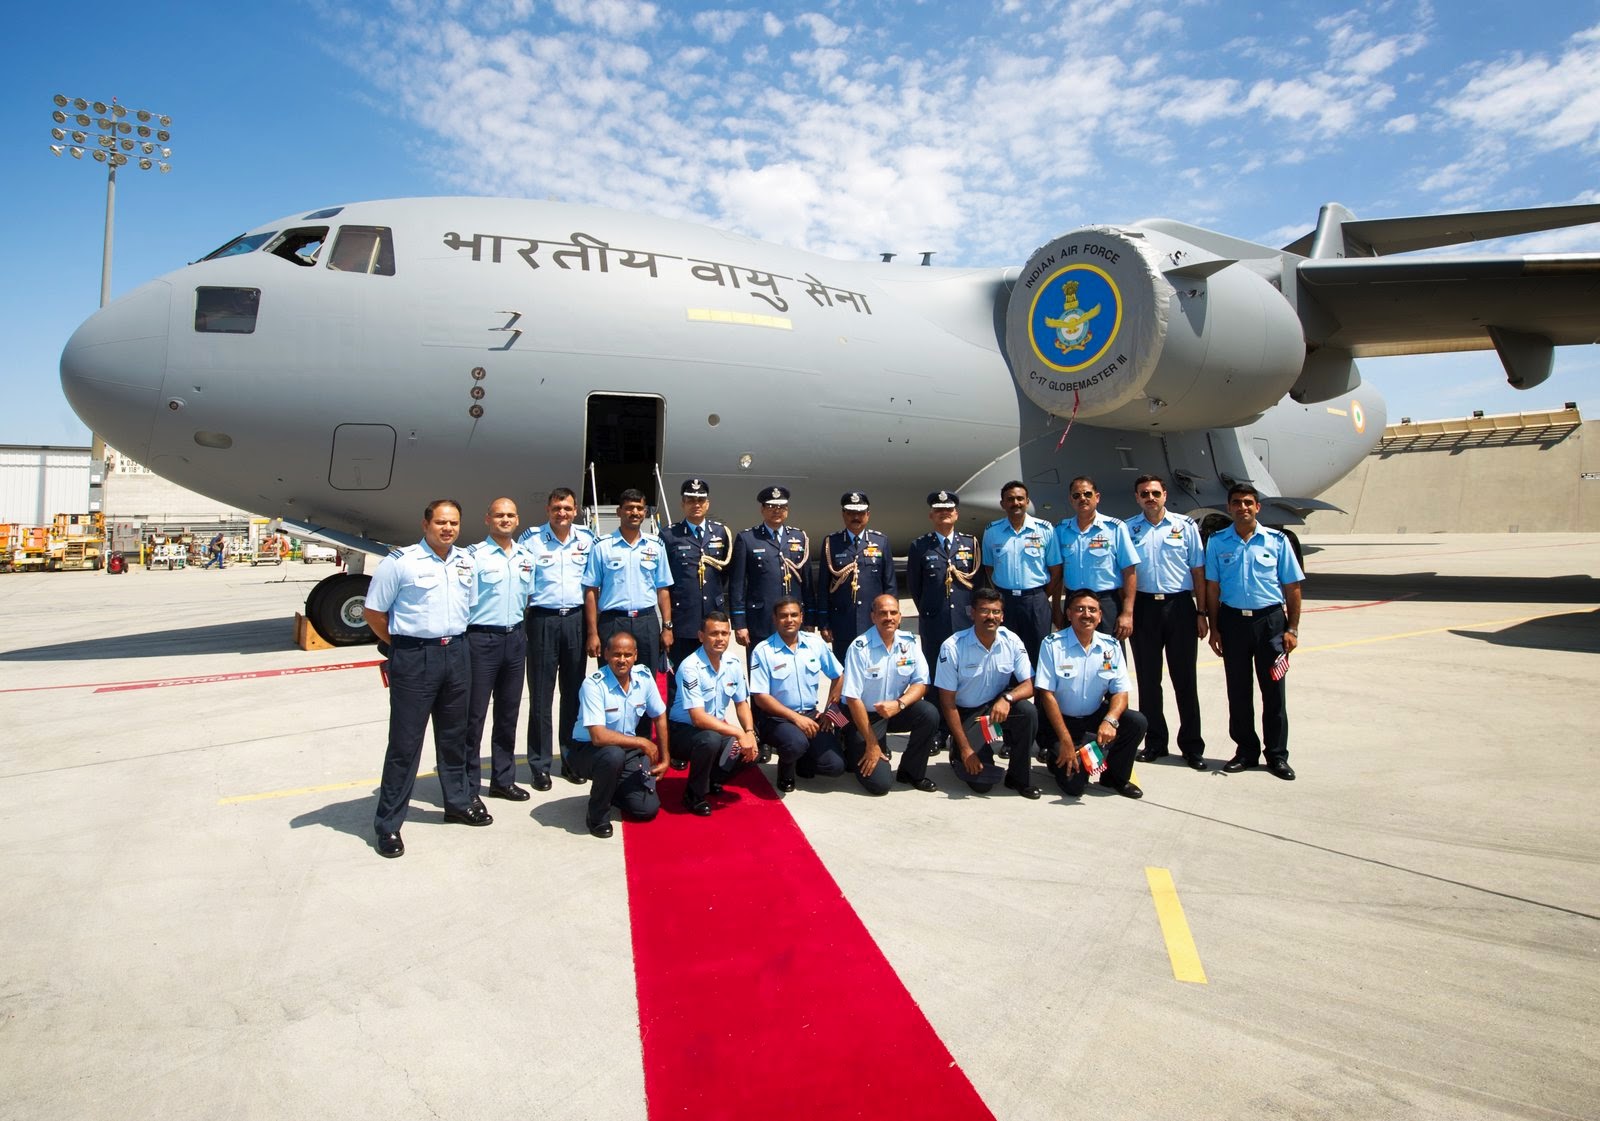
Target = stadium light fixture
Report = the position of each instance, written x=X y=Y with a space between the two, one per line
x=112 y=133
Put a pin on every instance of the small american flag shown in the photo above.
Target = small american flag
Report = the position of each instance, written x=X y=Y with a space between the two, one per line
x=835 y=715
x=1280 y=666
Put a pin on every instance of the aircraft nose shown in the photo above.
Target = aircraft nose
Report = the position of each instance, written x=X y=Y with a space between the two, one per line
x=113 y=367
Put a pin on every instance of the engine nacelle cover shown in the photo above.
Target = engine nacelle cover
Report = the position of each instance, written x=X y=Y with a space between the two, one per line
x=1135 y=328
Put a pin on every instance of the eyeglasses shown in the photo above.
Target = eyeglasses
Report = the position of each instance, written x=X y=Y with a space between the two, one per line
x=1083 y=494
x=1086 y=609
x=1149 y=494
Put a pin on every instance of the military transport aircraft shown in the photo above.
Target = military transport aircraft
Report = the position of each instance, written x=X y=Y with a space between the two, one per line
x=341 y=366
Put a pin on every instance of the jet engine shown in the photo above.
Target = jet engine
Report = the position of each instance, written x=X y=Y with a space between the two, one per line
x=1135 y=328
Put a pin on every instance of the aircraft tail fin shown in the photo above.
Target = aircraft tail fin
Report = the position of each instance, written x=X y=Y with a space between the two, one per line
x=1341 y=234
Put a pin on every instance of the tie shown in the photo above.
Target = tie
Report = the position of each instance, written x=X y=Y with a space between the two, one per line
x=698 y=532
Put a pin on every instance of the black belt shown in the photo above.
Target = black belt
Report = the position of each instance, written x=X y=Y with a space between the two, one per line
x=1039 y=591
x=1163 y=595
x=535 y=610
x=1250 y=612
x=485 y=628
x=624 y=613
x=406 y=642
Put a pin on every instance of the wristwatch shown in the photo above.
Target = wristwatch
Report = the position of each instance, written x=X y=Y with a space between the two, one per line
x=1110 y=721
x=667 y=626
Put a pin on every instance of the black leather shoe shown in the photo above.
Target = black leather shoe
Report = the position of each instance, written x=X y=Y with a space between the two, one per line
x=1027 y=790
x=571 y=775
x=700 y=808
x=474 y=815
x=390 y=845
x=786 y=783
x=1147 y=756
x=715 y=788
x=679 y=764
x=512 y=793
x=1235 y=765
x=540 y=782
x=1281 y=770
x=926 y=785
x=603 y=830
x=1127 y=789
x=1197 y=763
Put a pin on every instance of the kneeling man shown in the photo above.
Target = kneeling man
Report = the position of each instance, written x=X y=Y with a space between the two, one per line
x=1083 y=692
x=606 y=746
x=885 y=679
x=711 y=726
x=984 y=671
x=783 y=688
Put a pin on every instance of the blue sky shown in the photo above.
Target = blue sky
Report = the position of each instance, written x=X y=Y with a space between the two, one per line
x=976 y=128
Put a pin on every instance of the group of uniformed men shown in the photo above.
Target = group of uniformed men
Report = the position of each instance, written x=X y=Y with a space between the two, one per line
x=1020 y=639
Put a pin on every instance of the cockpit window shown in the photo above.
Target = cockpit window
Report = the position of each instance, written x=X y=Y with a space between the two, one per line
x=368 y=249
x=244 y=243
x=300 y=246
x=229 y=311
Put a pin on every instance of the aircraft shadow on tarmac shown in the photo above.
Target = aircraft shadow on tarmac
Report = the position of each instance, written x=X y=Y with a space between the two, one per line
x=1577 y=632
x=1430 y=587
x=247 y=636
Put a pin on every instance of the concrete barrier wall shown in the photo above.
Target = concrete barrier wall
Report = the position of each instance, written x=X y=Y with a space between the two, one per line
x=1536 y=486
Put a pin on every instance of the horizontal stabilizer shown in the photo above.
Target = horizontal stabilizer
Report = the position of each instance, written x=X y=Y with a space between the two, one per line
x=1378 y=237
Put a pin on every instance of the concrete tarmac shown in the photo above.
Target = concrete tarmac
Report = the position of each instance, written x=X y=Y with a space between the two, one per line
x=197 y=925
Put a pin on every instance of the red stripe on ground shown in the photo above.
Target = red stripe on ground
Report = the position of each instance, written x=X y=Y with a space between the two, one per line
x=1354 y=606
x=761 y=994
x=207 y=679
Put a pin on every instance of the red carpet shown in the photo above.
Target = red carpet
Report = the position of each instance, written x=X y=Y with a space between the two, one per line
x=761 y=995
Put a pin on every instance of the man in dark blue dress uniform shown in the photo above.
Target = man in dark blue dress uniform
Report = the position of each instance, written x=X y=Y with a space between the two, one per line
x=770 y=561
x=856 y=567
x=698 y=550
x=940 y=570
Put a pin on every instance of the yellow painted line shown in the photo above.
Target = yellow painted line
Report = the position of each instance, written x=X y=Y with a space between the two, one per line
x=1217 y=663
x=740 y=318
x=1174 y=927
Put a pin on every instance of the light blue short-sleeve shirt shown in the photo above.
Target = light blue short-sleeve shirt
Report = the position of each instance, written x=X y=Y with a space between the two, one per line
x=1094 y=557
x=627 y=576
x=602 y=702
x=713 y=691
x=1078 y=676
x=976 y=673
x=791 y=677
x=558 y=566
x=423 y=595
x=503 y=577
x=1169 y=551
x=874 y=672
x=1020 y=558
x=1251 y=574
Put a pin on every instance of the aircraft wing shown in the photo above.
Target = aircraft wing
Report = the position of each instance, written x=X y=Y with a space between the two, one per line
x=1381 y=306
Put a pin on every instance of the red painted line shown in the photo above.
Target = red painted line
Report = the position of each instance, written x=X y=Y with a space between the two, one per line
x=761 y=994
x=169 y=682
x=1354 y=606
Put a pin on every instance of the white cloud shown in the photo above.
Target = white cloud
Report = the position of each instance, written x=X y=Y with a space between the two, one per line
x=1548 y=104
x=1406 y=122
x=823 y=30
x=719 y=26
x=618 y=17
x=772 y=25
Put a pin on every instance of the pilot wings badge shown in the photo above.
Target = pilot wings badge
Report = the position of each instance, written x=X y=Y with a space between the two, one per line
x=1072 y=327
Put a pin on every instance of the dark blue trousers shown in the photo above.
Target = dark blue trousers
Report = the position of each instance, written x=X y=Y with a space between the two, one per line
x=921 y=720
x=425 y=683
x=497 y=666
x=1018 y=733
x=1119 y=752
x=555 y=654
x=618 y=776
x=798 y=755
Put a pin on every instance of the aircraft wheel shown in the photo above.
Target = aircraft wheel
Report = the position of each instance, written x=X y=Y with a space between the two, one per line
x=1294 y=543
x=334 y=610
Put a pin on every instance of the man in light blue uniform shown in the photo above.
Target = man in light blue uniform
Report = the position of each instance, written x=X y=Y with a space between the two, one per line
x=1253 y=598
x=1082 y=689
x=885 y=682
x=606 y=745
x=985 y=671
x=554 y=621
x=498 y=649
x=627 y=582
x=783 y=688
x=1168 y=620
x=1022 y=558
x=1097 y=553
x=711 y=725
x=417 y=605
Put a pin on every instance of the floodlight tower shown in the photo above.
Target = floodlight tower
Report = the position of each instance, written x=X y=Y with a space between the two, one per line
x=110 y=139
